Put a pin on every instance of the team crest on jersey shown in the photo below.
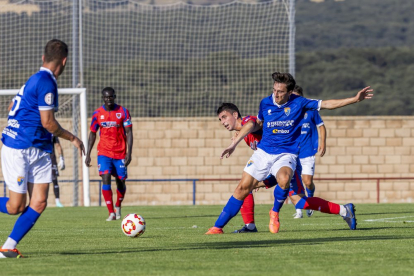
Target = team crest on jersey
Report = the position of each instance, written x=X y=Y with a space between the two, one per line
x=249 y=163
x=118 y=115
x=49 y=98
x=306 y=115
x=20 y=180
x=287 y=111
x=269 y=112
x=102 y=117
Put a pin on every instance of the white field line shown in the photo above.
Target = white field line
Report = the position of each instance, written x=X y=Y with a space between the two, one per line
x=394 y=219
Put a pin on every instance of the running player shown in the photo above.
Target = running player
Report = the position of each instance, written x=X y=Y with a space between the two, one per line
x=312 y=123
x=114 y=123
x=27 y=145
x=55 y=172
x=279 y=117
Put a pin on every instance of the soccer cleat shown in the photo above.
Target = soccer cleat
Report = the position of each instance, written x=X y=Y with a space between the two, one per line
x=10 y=253
x=244 y=229
x=298 y=214
x=274 y=223
x=58 y=204
x=350 y=216
x=111 y=217
x=118 y=212
x=309 y=213
x=214 y=230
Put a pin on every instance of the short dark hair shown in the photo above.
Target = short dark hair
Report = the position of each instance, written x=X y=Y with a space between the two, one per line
x=108 y=89
x=285 y=78
x=55 y=50
x=298 y=90
x=229 y=107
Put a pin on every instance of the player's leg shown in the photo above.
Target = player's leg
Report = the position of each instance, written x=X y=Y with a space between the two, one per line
x=247 y=213
x=38 y=172
x=105 y=170
x=308 y=171
x=121 y=176
x=283 y=168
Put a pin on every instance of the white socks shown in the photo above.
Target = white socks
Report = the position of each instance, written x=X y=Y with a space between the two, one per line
x=9 y=244
x=342 y=210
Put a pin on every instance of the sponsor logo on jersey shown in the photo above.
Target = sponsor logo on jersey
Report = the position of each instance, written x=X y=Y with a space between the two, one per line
x=253 y=145
x=13 y=123
x=306 y=115
x=249 y=163
x=287 y=111
x=305 y=125
x=303 y=132
x=280 y=123
x=49 y=98
x=20 y=180
x=118 y=115
x=102 y=117
x=109 y=124
x=281 y=131
x=269 y=112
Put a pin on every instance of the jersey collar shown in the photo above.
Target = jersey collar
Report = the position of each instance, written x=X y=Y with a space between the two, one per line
x=116 y=106
x=49 y=71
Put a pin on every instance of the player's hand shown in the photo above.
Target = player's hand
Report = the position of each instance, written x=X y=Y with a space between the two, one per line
x=228 y=151
x=127 y=160
x=365 y=93
x=322 y=150
x=61 y=163
x=79 y=144
x=88 y=161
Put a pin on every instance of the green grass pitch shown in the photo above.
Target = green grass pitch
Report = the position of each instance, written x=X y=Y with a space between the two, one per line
x=78 y=241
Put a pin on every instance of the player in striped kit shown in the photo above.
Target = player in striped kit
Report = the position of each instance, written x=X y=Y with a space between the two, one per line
x=114 y=148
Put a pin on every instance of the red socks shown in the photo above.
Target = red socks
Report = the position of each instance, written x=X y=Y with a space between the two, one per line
x=247 y=209
x=107 y=194
x=120 y=197
x=319 y=204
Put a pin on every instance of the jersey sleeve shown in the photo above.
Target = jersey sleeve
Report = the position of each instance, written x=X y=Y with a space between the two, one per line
x=127 y=118
x=310 y=104
x=47 y=97
x=317 y=119
x=94 y=123
x=248 y=119
x=260 y=114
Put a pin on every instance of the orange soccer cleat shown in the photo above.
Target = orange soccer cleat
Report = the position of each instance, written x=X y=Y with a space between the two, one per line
x=274 y=223
x=10 y=253
x=214 y=231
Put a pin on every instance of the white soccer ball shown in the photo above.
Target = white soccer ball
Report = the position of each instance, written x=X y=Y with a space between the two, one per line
x=133 y=225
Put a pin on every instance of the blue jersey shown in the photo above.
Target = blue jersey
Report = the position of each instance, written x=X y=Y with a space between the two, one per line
x=309 y=134
x=281 y=123
x=24 y=127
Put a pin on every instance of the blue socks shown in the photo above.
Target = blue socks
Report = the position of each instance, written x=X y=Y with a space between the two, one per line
x=24 y=223
x=229 y=211
x=310 y=192
x=280 y=197
x=3 y=207
x=301 y=203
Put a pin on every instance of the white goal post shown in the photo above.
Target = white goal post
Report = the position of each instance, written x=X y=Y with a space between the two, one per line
x=81 y=92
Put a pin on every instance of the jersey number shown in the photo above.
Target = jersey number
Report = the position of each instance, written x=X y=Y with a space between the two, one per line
x=16 y=102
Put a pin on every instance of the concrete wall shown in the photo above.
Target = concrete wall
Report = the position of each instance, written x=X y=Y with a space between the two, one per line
x=176 y=148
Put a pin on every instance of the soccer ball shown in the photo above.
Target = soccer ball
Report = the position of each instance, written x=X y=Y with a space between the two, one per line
x=133 y=225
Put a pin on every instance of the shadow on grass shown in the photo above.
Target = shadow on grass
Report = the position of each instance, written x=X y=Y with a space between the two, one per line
x=218 y=245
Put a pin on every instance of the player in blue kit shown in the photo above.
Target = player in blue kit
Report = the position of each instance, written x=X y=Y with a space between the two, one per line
x=279 y=116
x=310 y=143
x=27 y=145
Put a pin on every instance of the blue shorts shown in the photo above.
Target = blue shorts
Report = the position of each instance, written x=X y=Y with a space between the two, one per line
x=115 y=167
x=296 y=185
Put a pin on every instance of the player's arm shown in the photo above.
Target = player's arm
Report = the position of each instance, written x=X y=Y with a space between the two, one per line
x=365 y=93
x=248 y=127
x=129 y=141
x=322 y=140
x=49 y=122
x=59 y=150
x=10 y=105
x=91 y=142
